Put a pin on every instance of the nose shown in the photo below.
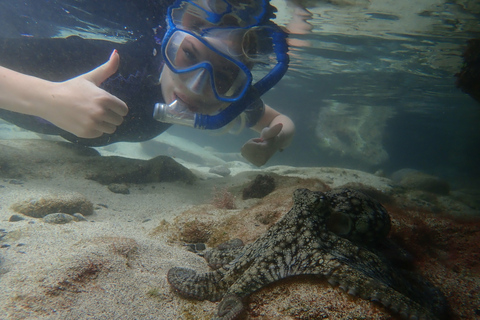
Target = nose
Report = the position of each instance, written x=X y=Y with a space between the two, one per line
x=198 y=81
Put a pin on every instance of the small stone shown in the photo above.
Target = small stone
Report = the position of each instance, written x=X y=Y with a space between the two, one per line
x=78 y=217
x=15 y=217
x=220 y=170
x=195 y=247
x=119 y=188
x=14 y=181
x=58 y=218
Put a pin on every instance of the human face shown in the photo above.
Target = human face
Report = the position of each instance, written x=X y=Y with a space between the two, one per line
x=194 y=88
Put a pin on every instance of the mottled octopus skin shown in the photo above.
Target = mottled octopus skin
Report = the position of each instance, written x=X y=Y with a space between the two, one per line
x=330 y=235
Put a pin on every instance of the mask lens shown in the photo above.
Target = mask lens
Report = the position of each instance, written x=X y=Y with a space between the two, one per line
x=185 y=52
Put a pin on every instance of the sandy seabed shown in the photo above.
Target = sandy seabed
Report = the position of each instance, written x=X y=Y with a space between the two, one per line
x=114 y=265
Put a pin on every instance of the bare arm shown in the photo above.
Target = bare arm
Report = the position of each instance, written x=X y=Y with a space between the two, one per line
x=77 y=105
x=272 y=118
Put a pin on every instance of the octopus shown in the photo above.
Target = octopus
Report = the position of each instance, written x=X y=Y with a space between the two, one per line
x=334 y=235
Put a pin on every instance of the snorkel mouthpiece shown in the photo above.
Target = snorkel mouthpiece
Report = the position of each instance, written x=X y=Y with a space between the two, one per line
x=176 y=113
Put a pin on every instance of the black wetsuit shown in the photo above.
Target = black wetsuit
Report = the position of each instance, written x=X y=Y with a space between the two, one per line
x=59 y=59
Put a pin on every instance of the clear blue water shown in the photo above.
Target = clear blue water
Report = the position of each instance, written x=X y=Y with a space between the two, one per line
x=400 y=59
x=371 y=87
x=390 y=65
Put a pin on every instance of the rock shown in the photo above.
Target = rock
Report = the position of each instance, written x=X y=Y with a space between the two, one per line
x=470 y=197
x=413 y=179
x=65 y=203
x=195 y=247
x=260 y=187
x=17 y=157
x=79 y=217
x=352 y=134
x=58 y=218
x=195 y=231
x=220 y=170
x=108 y=170
x=398 y=175
x=119 y=188
x=15 y=217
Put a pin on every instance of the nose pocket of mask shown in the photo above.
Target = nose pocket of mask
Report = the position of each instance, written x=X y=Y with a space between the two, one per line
x=197 y=81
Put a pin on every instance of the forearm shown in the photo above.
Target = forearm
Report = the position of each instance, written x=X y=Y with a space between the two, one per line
x=271 y=118
x=77 y=105
x=24 y=94
x=285 y=136
x=276 y=133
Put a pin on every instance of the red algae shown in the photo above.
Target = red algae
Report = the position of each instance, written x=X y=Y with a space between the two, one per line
x=446 y=251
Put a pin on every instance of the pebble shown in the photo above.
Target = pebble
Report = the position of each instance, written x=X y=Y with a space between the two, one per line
x=195 y=247
x=14 y=181
x=79 y=217
x=220 y=170
x=119 y=188
x=58 y=218
x=15 y=217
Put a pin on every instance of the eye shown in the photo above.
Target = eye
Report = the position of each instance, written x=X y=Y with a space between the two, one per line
x=190 y=56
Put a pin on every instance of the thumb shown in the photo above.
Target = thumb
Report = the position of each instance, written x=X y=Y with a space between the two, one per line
x=271 y=132
x=102 y=72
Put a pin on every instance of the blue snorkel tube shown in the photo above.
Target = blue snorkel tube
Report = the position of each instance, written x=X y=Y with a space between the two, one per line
x=178 y=113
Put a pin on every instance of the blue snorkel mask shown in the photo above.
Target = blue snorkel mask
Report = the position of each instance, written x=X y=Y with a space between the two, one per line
x=233 y=50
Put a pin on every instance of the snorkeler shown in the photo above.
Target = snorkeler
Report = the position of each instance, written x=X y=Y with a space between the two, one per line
x=207 y=68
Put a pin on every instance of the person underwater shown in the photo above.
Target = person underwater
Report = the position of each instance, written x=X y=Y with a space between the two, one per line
x=218 y=58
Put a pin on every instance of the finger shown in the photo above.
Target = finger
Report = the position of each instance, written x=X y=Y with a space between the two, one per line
x=269 y=133
x=90 y=134
x=106 y=127
x=102 y=72
x=112 y=118
x=117 y=106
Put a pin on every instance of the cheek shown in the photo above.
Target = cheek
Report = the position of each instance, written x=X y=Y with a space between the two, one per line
x=167 y=86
